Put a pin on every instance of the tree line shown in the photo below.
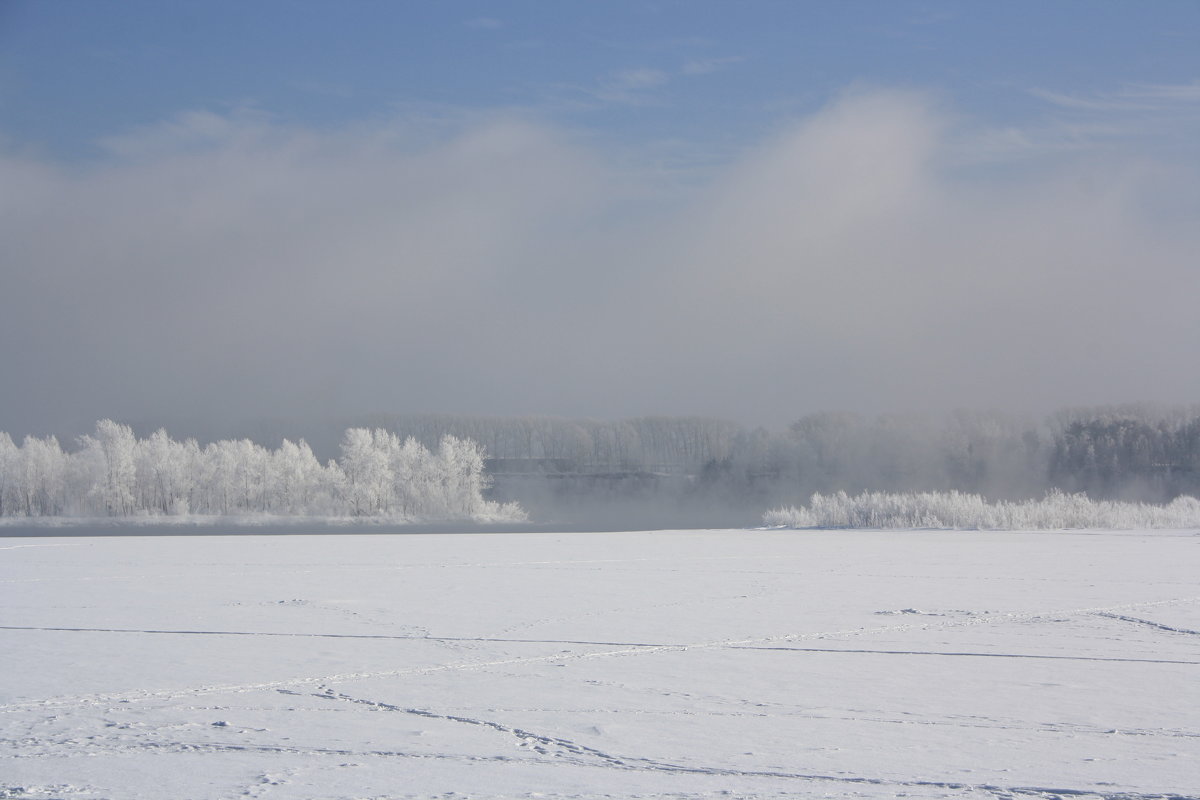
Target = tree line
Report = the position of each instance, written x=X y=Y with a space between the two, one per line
x=1130 y=452
x=440 y=466
x=113 y=473
x=1133 y=452
x=1119 y=452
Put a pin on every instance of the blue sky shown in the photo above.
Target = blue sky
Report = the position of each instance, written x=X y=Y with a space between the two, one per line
x=717 y=75
x=753 y=210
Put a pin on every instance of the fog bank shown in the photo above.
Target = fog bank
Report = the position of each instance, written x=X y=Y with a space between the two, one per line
x=879 y=254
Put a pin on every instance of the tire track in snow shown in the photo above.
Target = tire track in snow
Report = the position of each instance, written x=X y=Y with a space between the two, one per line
x=167 y=694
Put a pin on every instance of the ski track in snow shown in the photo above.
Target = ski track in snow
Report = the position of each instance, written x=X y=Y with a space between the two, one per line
x=392 y=637
x=621 y=651
x=952 y=653
x=546 y=749
x=550 y=750
x=1151 y=623
x=656 y=646
x=566 y=749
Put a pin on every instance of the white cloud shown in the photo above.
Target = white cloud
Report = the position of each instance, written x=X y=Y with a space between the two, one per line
x=637 y=86
x=629 y=86
x=707 y=66
x=633 y=79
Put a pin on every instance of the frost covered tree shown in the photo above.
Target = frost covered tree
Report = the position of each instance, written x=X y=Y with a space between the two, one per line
x=462 y=468
x=10 y=487
x=113 y=473
x=297 y=480
x=368 y=474
x=166 y=472
x=110 y=456
x=385 y=476
x=41 y=472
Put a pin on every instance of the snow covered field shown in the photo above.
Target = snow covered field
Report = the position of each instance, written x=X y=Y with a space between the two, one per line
x=680 y=664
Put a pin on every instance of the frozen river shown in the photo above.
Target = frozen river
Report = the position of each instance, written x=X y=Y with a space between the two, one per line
x=677 y=664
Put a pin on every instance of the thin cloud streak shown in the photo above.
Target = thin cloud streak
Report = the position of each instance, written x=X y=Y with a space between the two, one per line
x=1131 y=97
x=707 y=66
x=1121 y=102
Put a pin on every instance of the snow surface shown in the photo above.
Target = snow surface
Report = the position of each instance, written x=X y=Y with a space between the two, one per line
x=675 y=664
